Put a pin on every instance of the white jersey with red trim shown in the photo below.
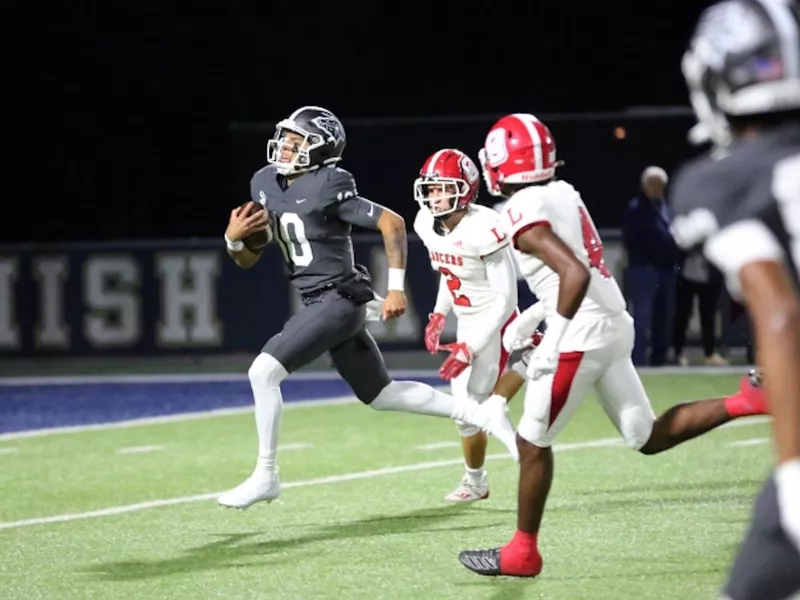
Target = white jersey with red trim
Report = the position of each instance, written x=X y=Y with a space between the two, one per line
x=458 y=254
x=560 y=206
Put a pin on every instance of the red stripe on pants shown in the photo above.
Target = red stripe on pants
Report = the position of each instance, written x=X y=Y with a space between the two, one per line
x=503 y=352
x=568 y=363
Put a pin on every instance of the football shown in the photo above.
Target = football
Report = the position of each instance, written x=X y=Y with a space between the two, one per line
x=258 y=240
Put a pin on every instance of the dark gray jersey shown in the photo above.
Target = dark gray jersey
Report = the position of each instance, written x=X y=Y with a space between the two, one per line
x=743 y=207
x=311 y=220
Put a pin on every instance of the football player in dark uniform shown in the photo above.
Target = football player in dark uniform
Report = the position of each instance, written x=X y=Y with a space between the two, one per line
x=309 y=206
x=742 y=204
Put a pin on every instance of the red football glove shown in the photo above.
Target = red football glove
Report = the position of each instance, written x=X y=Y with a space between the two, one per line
x=460 y=358
x=433 y=331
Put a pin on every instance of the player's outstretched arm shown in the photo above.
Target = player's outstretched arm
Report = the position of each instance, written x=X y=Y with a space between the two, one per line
x=573 y=275
x=750 y=255
x=774 y=308
x=775 y=312
x=752 y=259
x=393 y=229
x=352 y=208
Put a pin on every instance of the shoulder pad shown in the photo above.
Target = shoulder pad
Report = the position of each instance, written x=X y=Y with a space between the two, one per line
x=339 y=185
x=487 y=234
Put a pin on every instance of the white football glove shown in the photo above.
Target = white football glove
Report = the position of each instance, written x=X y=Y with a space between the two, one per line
x=544 y=359
x=375 y=308
x=787 y=481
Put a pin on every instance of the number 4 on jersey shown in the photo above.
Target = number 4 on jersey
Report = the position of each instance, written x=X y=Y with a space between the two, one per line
x=593 y=245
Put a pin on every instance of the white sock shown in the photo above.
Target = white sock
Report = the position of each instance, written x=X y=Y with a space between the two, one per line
x=475 y=475
x=415 y=397
x=265 y=375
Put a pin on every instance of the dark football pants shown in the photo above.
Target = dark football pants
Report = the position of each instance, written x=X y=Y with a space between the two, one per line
x=330 y=323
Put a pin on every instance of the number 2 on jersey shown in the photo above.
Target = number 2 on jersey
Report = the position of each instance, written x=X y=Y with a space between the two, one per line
x=592 y=243
x=292 y=239
x=454 y=285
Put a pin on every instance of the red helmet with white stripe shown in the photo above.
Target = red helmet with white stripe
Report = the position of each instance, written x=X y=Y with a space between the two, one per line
x=519 y=149
x=447 y=182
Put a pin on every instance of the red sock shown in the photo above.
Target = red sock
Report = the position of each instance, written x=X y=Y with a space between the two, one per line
x=521 y=555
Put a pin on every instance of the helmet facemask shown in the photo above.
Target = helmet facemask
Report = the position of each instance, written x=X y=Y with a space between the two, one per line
x=712 y=125
x=489 y=175
x=441 y=195
x=298 y=149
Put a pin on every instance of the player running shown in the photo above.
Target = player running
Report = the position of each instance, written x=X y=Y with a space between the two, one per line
x=467 y=246
x=589 y=334
x=310 y=206
x=742 y=205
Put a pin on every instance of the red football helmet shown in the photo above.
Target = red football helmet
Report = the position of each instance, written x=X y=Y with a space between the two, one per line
x=518 y=149
x=448 y=181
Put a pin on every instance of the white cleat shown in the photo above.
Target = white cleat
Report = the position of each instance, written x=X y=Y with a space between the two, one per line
x=261 y=486
x=499 y=424
x=469 y=490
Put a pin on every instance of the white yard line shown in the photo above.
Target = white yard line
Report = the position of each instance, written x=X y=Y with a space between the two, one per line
x=439 y=445
x=295 y=446
x=116 y=510
x=745 y=421
x=139 y=449
x=750 y=442
x=422 y=466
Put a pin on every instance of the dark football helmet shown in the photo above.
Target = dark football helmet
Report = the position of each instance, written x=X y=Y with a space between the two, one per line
x=743 y=59
x=318 y=140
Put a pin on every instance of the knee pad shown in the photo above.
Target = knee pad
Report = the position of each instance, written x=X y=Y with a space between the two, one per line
x=636 y=425
x=266 y=370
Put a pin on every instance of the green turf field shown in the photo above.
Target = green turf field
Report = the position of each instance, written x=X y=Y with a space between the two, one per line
x=362 y=514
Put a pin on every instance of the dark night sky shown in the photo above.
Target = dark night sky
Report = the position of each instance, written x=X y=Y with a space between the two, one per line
x=143 y=98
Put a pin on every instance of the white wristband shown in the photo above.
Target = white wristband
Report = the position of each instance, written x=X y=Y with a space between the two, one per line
x=236 y=246
x=396 y=279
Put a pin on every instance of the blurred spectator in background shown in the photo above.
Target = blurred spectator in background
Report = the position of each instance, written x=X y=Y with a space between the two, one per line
x=652 y=266
x=698 y=278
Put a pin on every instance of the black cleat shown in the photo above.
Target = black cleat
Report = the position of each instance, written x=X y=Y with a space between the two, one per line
x=482 y=562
